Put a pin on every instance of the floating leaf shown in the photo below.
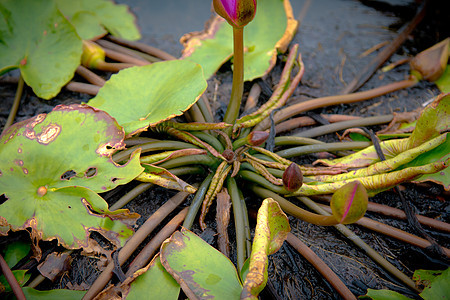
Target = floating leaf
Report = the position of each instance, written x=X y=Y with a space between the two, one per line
x=153 y=281
x=271 y=31
x=271 y=230
x=31 y=293
x=384 y=295
x=142 y=96
x=201 y=270
x=56 y=164
x=35 y=37
x=93 y=18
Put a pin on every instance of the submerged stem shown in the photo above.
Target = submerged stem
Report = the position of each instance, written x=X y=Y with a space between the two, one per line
x=238 y=77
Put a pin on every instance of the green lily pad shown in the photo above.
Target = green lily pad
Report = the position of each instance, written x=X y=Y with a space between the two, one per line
x=94 y=18
x=31 y=293
x=35 y=37
x=57 y=164
x=384 y=295
x=153 y=281
x=139 y=97
x=271 y=230
x=201 y=270
x=270 y=31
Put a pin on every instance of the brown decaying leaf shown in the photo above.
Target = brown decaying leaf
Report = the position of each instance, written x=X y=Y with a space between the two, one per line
x=55 y=265
x=222 y=220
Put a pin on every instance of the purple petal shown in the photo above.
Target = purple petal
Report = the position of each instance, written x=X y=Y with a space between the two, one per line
x=230 y=7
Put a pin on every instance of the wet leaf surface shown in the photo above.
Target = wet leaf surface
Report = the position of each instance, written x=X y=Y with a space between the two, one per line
x=201 y=270
x=38 y=39
x=57 y=164
x=137 y=97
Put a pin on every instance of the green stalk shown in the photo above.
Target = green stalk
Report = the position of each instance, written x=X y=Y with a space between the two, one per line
x=190 y=160
x=210 y=139
x=238 y=77
x=328 y=147
x=197 y=202
x=293 y=209
x=239 y=222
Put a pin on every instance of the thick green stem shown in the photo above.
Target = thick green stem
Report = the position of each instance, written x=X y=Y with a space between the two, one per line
x=293 y=209
x=328 y=147
x=238 y=77
x=197 y=202
x=239 y=222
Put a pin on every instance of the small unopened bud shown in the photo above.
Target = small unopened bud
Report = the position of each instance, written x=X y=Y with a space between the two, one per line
x=430 y=64
x=257 y=138
x=229 y=155
x=238 y=13
x=292 y=178
x=349 y=203
x=92 y=54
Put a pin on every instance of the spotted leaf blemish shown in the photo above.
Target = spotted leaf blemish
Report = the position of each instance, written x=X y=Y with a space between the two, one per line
x=18 y=162
x=49 y=134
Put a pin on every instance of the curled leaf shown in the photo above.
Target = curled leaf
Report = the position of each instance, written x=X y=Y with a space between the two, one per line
x=271 y=230
x=164 y=178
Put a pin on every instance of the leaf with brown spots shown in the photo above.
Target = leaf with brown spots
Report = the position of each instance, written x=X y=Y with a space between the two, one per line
x=201 y=270
x=56 y=164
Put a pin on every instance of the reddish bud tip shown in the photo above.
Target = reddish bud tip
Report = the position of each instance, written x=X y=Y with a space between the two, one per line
x=229 y=155
x=238 y=13
x=23 y=62
x=41 y=191
x=292 y=178
x=349 y=203
x=256 y=138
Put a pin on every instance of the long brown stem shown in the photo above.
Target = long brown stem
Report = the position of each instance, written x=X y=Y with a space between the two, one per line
x=307 y=121
x=295 y=109
x=124 y=58
x=90 y=76
x=149 y=250
x=152 y=222
x=81 y=87
x=320 y=266
x=11 y=279
x=134 y=53
x=396 y=213
x=16 y=103
x=393 y=232
x=143 y=47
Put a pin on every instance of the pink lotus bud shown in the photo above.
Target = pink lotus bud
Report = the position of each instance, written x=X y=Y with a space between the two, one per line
x=349 y=203
x=238 y=13
x=256 y=138
x=292 y=178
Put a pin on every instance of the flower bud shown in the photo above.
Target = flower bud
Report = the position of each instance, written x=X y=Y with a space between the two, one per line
x=292 y=178
x=349 y=203
x=257 y=138
x=229 y=155
x=238 y=13
x=92 y=54
x=430 y=64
